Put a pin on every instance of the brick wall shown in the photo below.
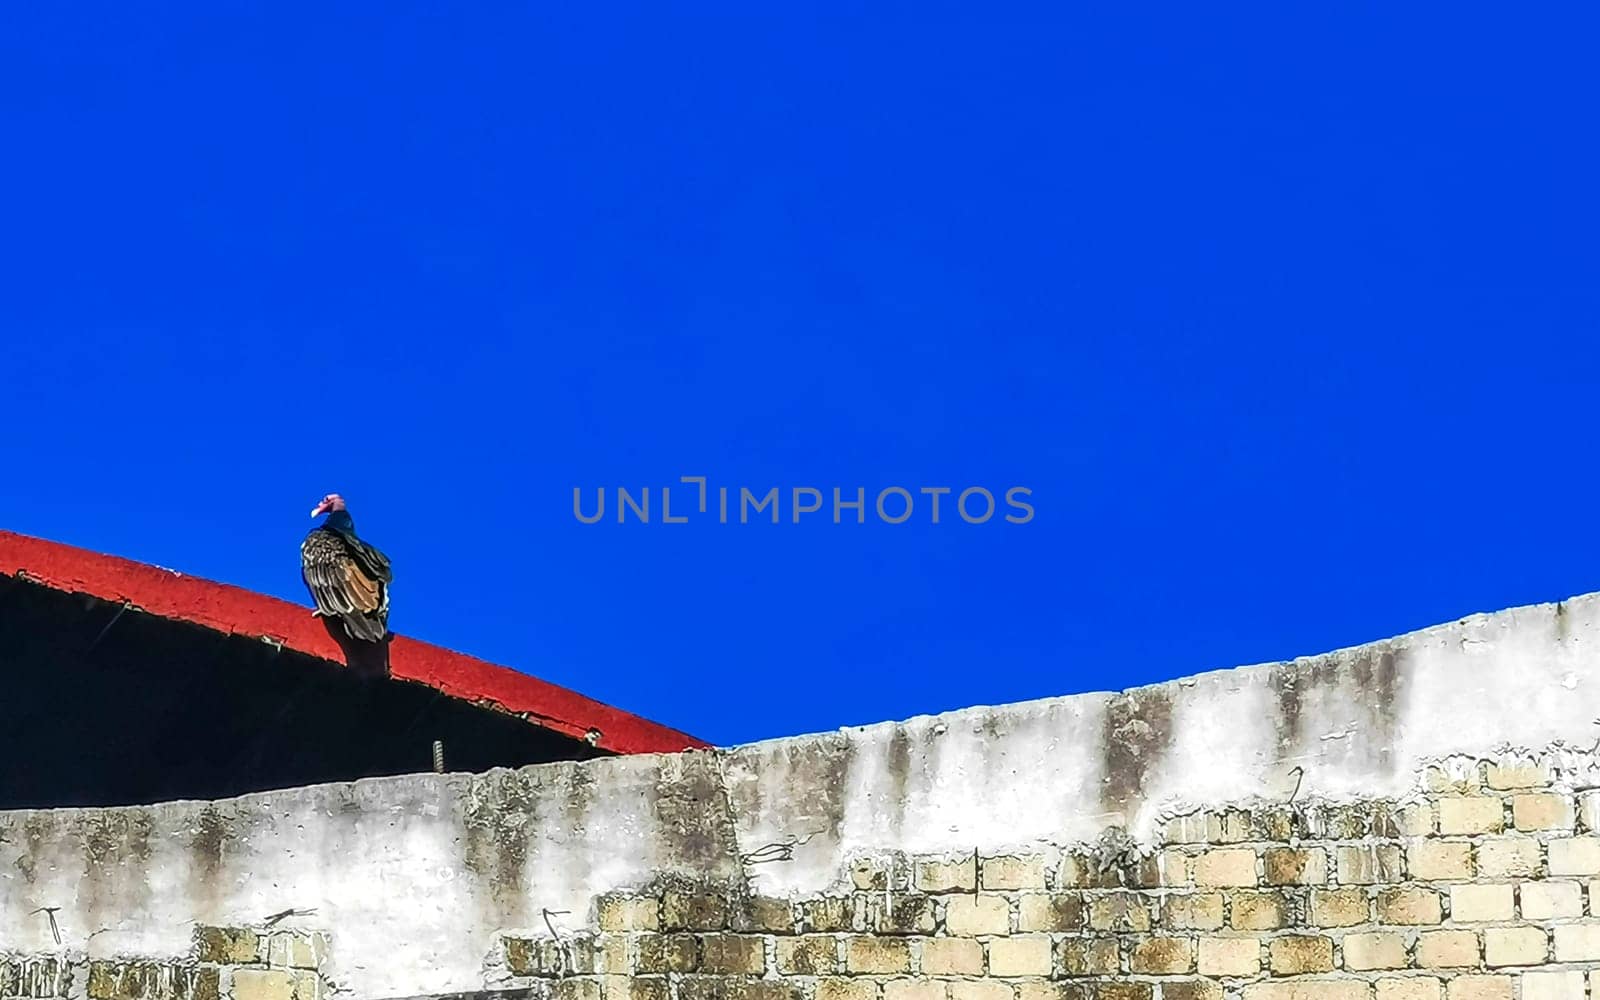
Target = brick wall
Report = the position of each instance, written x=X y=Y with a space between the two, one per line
x=1483 y=886
x=225 y=962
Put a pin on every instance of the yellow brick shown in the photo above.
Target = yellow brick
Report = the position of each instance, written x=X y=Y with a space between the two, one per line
x=274 y=984
x=1541 y=811
x=816 y=954
x=1575 y=856
x=1229 y=956
x=1200 y=911
x=1309 y=989
x=1471 y=904
x=1470 y=814
x=1173 y=867
x=1577 y=942
x=1410 y=988
x=873 y=874
x=1024 y=955
x=1008 y=872
x=1300 y=953
x=972 y=916
x=1414 y=820
x=898 y=914
x=228 y=945
x=846 y=989
x=1546 y=900
x=1119 y=911
x=1514 y=774
x=1295 y=866
x=634 y=987
x=877 y=955
x=1089 y=956
x=577 y=988
x=1228 y=866
x=1508 y=857
x=1226 y=827
x=629 y=913
x=1032 y=990
x=694 y=911
x=611 y=954
x=296 y=949
x=952 y=957
x=1161 y=956
x=941 y=875
x=1504 y=946
x=1447 y=949
x=1191 y=989
x=1439 y=778
x=1439 y=860
x=660 y=953
x=1259 y=911
x=1479 y=988
x=1349 y=822
x=1589 y=811
x=978 y=989
x=1050 y=911
x=913 y=989
x=733 y=954
x=1553 y=985
x=1122 y=990
x=830 y=913
x=1339 y=907
x=1381 y=950
x=1368 y=864
x=110 y=980
x=1408 y=906
x=1078 y=872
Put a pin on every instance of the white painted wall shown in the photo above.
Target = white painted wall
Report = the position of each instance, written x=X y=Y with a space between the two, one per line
x=416 y=877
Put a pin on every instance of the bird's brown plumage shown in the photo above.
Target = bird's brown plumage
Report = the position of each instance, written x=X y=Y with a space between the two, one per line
x=349 y=580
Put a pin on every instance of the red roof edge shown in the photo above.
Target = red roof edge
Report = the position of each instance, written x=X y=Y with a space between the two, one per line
x=225 y=608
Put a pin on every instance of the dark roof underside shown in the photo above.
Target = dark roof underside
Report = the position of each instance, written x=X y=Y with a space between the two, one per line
x=229 y=610
x=107 y=706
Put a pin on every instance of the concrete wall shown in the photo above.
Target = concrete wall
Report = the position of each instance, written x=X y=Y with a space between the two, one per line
x=430 y=883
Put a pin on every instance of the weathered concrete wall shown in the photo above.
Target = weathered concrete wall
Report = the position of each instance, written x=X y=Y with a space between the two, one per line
x=428 y=883
x=417 y=874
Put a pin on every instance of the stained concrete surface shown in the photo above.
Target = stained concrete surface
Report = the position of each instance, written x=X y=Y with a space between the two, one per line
x=417 y=876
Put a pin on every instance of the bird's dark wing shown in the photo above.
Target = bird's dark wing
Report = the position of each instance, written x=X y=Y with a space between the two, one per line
x=342 y=587
x=372 y=561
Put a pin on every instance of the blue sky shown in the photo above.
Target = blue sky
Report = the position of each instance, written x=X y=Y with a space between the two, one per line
x=1286 y=318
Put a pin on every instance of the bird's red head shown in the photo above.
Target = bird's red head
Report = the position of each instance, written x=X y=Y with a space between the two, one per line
x=330 y=503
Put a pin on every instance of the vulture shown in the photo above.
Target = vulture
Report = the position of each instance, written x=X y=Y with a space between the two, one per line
x=348 y=578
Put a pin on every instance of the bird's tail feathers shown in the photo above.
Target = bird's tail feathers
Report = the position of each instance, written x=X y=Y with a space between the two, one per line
x=366 y=629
